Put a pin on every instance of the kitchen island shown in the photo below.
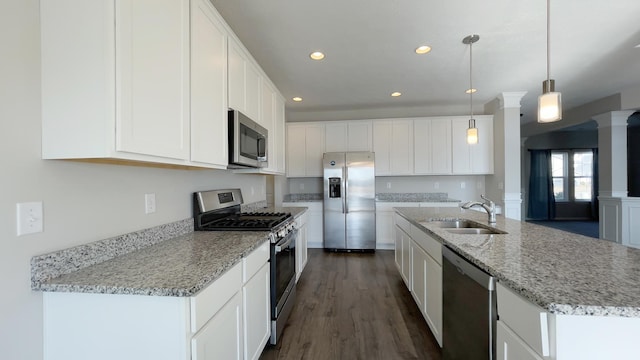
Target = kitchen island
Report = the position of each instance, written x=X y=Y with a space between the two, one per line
x=589 y=288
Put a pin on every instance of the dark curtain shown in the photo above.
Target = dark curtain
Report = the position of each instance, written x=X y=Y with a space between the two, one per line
x=595 y=205
x=542 y=204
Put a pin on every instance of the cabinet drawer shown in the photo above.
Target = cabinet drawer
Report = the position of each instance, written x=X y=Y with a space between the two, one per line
x=510 y=347
x=432 y=246
x=402 y=223
x=254 y=261
x=211 y=299
x=526 y=319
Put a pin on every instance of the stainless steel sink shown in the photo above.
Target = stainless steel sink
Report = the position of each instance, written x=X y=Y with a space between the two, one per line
x=473 y=231
x=455 y=224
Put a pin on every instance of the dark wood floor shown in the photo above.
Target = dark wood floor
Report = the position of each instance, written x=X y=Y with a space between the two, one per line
x=353 y=306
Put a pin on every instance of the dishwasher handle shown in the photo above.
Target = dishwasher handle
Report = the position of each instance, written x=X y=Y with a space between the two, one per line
x=468 y=269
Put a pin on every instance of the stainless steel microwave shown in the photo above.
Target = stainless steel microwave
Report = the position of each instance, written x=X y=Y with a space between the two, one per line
x=247 y=142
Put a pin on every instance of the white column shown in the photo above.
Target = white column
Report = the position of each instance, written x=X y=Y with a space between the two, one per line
x=511 y=185
x=616 y=216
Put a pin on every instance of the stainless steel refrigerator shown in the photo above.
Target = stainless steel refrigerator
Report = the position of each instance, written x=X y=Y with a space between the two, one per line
x=349 y=201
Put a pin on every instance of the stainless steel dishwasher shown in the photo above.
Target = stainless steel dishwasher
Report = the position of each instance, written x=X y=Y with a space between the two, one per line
x=469 y=310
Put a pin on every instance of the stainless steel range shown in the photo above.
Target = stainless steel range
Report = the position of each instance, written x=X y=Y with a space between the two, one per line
x=220 y=210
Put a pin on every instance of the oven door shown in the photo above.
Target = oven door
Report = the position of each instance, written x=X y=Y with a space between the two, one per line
x=283 y=271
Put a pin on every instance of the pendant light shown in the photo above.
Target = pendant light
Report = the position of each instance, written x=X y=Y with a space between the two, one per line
x=550 y=102
x=472 y=131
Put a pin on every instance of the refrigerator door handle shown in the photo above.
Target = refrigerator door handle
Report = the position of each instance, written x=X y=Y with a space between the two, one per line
x=345 y=201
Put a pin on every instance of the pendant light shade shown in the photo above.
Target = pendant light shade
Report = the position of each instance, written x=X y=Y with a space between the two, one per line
x=550 y=102
x=472 y=131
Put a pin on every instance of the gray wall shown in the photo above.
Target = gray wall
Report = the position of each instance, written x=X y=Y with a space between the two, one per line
x=82 y=202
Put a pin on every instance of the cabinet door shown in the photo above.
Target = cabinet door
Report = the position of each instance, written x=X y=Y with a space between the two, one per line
x=405 y=261
x=418 y=276
x=510 y=347
x=257 y=314
x=253 y=88
x=393 y=145
x=359 y=136
x=433 y=297
x=314 y=150
x=398 y=248
x=279 y=131
x=267 y=116
x=382 y=131
x=152 y=68
x=335 y=137
x=384 y=230
x=236 y=76
x=221 y=337
x=296 y=150
x=440 y=140
x=472 y=159
x=301 y=250
x=208 y=86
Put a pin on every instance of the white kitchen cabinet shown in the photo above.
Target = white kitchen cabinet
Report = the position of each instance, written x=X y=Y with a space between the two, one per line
x=125 y=74
x=403 y=244
x=476 y=158
x=510 y=347
x=432 y=146
x=221 y=337
x=348 y=136
x=385 y=233
x=267 y=111
x=305 y=148
x=279 y=134
x=393 y=145
x=229 y=319
x=244 y=83
x=208 y=86
x=256 y=313
x=315 y=227
x=301 y=244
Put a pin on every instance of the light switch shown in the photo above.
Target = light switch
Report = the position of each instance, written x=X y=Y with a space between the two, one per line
x=149 y=203
x=29 y=218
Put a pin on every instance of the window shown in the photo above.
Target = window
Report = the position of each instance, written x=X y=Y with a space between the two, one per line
x=576 y=184
x=559 y=174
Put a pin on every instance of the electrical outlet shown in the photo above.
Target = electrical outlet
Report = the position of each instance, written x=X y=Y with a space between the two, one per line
x=301 y=186
x=463 y=185
x=29 y=218
x=436 y=185
x=500 y=185
x=253 y=191
x=388 y=185
x=149 y=203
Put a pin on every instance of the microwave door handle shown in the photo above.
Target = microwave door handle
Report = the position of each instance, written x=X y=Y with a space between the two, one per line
x=262 y=157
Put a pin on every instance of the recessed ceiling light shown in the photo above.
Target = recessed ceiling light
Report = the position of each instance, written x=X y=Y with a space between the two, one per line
x=297 y=99
x=423 y=49
x=469 y=91
x=316 y=55
x=396 y=94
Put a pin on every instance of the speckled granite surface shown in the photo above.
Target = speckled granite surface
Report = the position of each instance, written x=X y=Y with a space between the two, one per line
x=384 y=197
x=562 y=272
x=159 y=262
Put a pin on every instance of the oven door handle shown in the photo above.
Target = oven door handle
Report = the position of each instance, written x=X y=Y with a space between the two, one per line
x=284 y=243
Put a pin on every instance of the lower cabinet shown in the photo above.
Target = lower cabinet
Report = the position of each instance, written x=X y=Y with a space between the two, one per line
x=229 y=319
x=315 y=226
x=510 y=346
x=221 y=337
x=418 y=257
x=301 y=244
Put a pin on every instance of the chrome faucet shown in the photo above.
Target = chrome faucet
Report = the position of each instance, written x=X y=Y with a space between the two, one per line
x=488 y=205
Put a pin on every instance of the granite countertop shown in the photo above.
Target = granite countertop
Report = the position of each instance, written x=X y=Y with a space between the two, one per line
x=564 y=273
x=178 y=266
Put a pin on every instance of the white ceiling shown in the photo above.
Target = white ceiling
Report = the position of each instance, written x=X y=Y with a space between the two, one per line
x=370 y=51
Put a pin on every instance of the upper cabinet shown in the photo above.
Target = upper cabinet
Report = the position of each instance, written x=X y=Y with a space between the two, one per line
x=432 y=146
x=393 y=145
x=147 y=82
x=273 y=114
x=115 y=80
x=476 y=158
x=244 y=84
x=208 y=86
x=305 y=148
x=348 y=136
